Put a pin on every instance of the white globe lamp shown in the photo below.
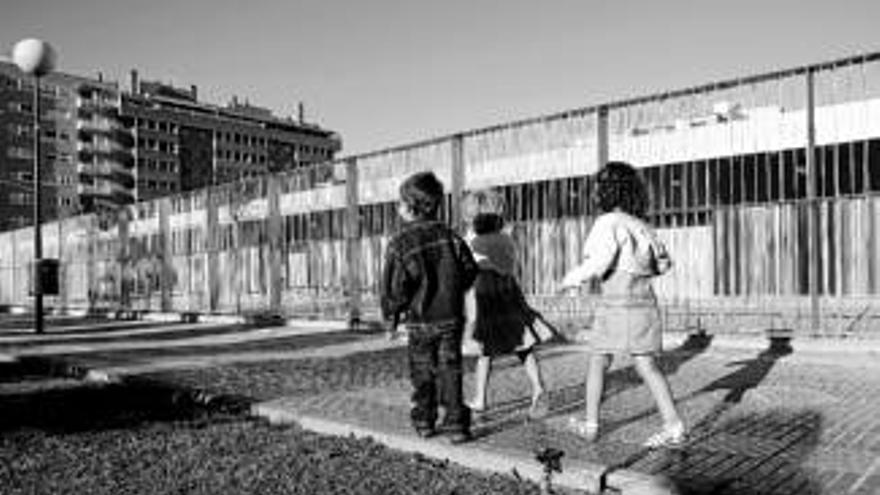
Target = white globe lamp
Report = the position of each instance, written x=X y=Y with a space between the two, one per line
x=33 y=56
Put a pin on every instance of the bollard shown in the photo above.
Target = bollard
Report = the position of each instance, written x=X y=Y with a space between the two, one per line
x=551 y=459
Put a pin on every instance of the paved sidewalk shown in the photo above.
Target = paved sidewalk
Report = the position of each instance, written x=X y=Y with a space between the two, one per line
x=764 y=421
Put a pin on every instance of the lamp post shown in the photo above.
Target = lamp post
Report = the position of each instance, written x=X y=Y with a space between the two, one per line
x=37 y=58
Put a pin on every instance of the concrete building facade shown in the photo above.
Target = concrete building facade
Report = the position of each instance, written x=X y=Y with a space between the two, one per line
x=59 y=145
x=184 y=144
x=104 y=146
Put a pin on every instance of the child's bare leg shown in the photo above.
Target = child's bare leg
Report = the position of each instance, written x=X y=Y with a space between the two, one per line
x=659 y=387
x=595 y=386
x=481 y=383
x=533 y=371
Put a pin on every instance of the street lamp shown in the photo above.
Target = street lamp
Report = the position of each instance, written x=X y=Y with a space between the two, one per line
x=37 y=58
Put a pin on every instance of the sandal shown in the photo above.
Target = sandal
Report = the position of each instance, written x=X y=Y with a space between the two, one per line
x=540 y=406
x=670 y=436
x=586 y=429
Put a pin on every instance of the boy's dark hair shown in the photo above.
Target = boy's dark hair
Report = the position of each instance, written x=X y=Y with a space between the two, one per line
x=488 y=223
x=423 y=193
x=618 y=185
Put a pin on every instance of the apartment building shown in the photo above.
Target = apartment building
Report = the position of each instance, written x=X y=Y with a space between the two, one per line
x=184 y=144
x=104 y=146
x=59 y=144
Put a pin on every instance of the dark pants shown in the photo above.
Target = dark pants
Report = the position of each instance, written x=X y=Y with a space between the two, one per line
x=435 y=370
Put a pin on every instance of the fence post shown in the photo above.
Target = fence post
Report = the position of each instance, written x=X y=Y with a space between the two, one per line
x=601 y=137
x=352 y=239
x=123 y=259
x=62 y=281
x=458 y=182
x=91 y=241
x=812 y=203
x=165 y=267
x=13 y=265
x=212 y=244
x=274 y=234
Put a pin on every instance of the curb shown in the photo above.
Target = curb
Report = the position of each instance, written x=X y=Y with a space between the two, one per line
x=594 y=478
x=319 y=326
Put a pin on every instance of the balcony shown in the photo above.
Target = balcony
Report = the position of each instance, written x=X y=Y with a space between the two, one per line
x=123 y=197
x=123 y=137
x=103 y=191
x=85 y=134
x=122 y=157
x=84 y=113
x=84 y=154
x=87 y=154
x=125 y=180
x=96 y=189
x=104 y=169
x=94 y=125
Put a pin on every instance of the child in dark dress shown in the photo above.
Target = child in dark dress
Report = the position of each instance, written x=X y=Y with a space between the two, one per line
x=499 y=318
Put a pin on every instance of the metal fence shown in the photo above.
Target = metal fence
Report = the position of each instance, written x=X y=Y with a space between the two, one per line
x=765 y=188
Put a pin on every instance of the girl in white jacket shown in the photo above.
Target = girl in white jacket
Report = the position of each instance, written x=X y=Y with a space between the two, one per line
x=623 y=253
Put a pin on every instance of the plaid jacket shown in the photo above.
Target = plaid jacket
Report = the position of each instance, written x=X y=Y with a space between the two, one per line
x=428 y=268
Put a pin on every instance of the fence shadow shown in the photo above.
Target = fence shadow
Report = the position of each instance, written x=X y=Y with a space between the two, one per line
x=750 y=374
x=749 y=454
x=743 y=453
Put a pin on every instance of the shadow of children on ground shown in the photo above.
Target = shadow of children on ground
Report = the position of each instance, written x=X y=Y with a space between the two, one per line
x=569 y=399
x=751 y=372
x=748 y=452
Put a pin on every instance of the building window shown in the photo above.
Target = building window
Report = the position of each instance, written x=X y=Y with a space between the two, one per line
x=21 y=198
x=17 y=152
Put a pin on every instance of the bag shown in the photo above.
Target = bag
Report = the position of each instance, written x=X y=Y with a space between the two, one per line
x=539 y=331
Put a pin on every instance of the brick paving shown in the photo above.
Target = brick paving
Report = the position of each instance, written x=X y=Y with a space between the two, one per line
x=763 y=421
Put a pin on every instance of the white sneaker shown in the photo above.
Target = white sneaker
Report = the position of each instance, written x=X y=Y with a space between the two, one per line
x=670 y=436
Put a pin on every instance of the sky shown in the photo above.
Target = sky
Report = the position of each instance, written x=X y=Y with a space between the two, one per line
x=384 y=73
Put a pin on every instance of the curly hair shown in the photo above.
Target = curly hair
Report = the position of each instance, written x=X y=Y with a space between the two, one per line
x=423 y=193
x=618 y=185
